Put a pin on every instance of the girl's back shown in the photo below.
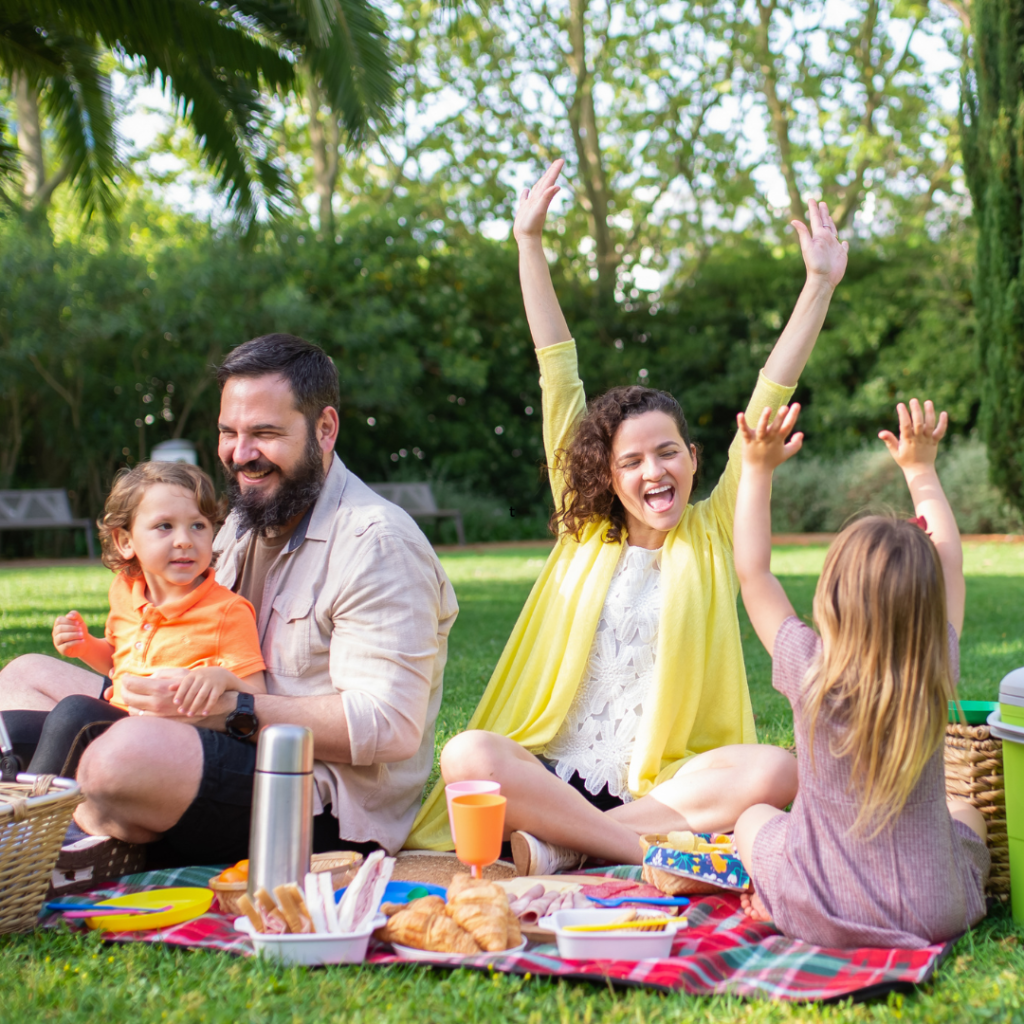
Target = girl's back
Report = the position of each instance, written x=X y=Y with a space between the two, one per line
x=918 y=881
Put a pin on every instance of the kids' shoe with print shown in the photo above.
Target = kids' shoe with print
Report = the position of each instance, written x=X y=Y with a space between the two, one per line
x=533 y=856
x=85 y=862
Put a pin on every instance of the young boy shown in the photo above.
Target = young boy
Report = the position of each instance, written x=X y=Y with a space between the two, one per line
x=166 y=611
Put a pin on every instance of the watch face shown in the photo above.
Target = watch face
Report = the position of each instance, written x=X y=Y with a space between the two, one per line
x=242 y=723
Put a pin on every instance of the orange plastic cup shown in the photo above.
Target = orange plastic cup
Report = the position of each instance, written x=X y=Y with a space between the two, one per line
x=479 y=826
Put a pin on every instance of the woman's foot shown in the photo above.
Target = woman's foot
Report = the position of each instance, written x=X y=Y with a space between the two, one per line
x=533 y=856
x=754 y=908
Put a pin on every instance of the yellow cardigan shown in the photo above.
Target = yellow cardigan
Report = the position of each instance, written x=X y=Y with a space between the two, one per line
x=698 y=698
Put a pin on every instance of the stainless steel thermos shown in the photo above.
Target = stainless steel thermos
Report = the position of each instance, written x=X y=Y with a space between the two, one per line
x=281 y=833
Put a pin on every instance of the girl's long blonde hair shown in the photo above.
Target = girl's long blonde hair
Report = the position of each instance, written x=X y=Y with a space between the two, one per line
x=884 y=673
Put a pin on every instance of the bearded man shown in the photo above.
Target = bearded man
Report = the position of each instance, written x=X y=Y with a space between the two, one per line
x=353 y=611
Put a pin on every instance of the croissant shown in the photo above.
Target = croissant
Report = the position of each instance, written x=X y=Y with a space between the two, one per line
x=482 y=909
x=423 y=924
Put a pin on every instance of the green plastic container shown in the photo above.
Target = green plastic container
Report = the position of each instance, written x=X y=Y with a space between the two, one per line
x=975 y=711
x=1007 y=723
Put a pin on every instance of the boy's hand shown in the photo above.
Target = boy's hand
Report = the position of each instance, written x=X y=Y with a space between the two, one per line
x=920 y=435
x=765 y=446
x=69 y=635
x=824 y=255
x=534 y=203
x=197 y=691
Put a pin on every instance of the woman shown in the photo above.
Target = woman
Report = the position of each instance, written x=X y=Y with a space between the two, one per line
x=620 y=705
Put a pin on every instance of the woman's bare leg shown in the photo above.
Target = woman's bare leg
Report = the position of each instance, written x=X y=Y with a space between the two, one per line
x=538 y=801
x=712 y=790
x=35 y=682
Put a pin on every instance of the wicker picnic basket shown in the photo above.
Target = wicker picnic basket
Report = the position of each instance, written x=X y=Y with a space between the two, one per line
x=974 y=772
x=669 y=884
x=34 y=815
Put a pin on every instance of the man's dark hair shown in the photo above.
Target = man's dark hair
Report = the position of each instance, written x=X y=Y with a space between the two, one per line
x=307 y=368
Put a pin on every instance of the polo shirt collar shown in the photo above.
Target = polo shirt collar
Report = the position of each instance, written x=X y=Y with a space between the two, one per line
x=178 y=606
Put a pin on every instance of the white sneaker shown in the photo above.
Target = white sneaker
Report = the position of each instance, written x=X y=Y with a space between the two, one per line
x=533 y=856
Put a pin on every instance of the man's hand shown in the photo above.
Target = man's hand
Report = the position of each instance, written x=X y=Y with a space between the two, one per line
x=765 y=446
x=920 y=435
x=70 y=635
x=824 y=255
x=533 y=205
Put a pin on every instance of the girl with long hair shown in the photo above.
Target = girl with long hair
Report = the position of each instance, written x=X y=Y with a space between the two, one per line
x=872 y=852
x=620 y=705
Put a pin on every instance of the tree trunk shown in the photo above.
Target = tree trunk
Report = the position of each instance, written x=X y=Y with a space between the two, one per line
x=12 y=440
x=583 y=122
x=30 y=136
x=777 y=108
x=993 y=136
x=323 y=137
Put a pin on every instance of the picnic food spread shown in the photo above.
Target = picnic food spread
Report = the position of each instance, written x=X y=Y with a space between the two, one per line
x=477 y=918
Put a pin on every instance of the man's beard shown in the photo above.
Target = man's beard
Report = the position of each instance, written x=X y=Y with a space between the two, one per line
x=295 y=492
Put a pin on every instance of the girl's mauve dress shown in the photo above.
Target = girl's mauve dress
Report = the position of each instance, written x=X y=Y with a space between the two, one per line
x=920 y=881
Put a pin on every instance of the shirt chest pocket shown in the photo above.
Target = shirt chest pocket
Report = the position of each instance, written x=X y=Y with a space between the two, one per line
x=291 y=634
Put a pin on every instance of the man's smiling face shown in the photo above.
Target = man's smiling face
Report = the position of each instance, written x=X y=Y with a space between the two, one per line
x=274 y=462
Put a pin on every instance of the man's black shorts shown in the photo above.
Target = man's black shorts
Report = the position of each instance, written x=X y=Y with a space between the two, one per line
x=215 y=828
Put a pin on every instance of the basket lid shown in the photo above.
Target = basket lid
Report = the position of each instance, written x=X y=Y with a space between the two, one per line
x=1011 y=689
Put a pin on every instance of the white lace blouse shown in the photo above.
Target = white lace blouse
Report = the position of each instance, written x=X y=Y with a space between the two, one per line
x=597 y=737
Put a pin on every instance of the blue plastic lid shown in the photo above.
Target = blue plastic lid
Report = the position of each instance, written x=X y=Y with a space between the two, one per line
x=404 y=892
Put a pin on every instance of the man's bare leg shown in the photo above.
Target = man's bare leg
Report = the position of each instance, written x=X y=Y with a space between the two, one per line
x=139 y=778
x=35 y=682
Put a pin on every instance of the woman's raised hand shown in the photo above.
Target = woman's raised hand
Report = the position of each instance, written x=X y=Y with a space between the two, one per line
x=824 y=255
x=769 y=444
x=920 y=433
x=534 y=203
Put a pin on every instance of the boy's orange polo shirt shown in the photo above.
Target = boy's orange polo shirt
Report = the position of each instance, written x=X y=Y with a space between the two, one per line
x=209 y=626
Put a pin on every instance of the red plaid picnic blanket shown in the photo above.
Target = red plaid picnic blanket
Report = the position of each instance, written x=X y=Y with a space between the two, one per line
x=721 y=952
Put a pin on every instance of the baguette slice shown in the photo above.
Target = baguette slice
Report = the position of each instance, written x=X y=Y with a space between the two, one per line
x=246 y=906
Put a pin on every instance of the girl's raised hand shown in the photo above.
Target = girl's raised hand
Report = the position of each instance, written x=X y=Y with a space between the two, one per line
x=69 y=633
x=824 y=255
x=920 y=434
x=766 y=445
x=534 y=203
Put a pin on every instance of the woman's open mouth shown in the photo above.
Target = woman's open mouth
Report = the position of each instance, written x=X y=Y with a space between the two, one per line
x=660 y=499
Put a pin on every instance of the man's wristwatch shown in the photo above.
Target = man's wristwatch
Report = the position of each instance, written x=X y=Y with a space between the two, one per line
x=242 y=723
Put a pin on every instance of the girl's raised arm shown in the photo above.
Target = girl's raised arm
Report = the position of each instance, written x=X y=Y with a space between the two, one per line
x=764 y=448
x=825 y=259
x=914 y=452
x=543 y=313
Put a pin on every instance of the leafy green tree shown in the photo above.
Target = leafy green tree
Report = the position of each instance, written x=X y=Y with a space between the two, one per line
x=993 y=114
x=216 y=62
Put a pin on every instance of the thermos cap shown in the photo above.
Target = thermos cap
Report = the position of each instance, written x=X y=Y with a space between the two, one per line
x=285 y=750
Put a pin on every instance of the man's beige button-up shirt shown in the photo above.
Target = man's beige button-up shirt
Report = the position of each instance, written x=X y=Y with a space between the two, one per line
x=357 y=604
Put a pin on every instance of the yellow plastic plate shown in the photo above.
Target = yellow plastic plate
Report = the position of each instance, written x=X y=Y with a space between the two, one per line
x=185 y=904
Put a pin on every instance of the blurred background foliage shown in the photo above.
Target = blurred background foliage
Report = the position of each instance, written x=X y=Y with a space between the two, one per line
x=375 y=221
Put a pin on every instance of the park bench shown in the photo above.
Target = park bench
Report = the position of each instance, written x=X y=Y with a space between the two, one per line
x=418 y=501
x=40 y=510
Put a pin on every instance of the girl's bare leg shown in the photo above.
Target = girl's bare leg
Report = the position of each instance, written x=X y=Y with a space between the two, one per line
x=969 y=815
x=538 y=801
x=750 y=822
x=708 y=794
x=712 y=790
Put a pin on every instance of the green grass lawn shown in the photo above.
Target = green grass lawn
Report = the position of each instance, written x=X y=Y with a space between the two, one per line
x=64 y=977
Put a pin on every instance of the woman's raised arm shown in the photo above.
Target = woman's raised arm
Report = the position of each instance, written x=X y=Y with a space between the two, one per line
x=543 y=313
x=825 y=259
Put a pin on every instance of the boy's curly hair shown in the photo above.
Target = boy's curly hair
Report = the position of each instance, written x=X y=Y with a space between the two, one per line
x=585 y=462
x=126 y=495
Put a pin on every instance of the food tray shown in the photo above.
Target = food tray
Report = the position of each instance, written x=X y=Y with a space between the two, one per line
x=311 y=950
x=617 y=945
x=410 y=953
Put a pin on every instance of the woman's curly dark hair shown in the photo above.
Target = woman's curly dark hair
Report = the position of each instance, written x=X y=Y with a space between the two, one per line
x=586 y=461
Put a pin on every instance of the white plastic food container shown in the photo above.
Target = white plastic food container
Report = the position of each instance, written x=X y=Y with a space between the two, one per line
x=616 y=945
x=312 y=950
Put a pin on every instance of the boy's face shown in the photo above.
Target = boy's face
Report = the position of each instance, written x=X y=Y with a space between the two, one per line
x=170 y=537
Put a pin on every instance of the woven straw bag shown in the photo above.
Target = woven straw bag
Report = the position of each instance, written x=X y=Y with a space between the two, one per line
x=669 y=884
x=974 y=772
x=34 y=815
